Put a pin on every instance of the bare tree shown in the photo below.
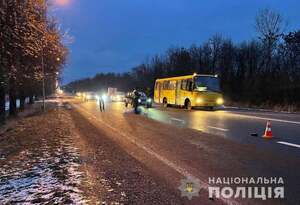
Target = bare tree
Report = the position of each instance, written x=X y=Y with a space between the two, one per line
x=215 y=45
x=270 y=26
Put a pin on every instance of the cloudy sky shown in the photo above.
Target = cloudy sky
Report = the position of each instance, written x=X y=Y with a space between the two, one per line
x=116 y=35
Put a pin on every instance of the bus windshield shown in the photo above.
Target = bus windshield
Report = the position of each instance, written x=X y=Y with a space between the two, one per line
x=207 y=83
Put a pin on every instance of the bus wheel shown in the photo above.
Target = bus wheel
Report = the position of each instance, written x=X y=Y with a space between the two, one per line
x=165 y=102
x=188 y=104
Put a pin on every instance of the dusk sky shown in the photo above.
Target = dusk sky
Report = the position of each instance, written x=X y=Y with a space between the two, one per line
x=116 y=35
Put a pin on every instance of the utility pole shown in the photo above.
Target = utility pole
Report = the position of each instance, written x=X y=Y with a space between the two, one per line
x=43 y=70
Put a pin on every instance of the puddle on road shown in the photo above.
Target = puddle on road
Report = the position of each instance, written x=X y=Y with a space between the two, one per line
x=47 y=174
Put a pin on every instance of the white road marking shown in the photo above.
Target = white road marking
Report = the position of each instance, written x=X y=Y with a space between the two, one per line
x=170 y=164
x=257 y=109
x=177 y=119
x=218 y=128
x=270 y=119
x=289 y=144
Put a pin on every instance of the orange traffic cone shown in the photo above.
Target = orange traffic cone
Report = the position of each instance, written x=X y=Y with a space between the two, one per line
x=268 y=132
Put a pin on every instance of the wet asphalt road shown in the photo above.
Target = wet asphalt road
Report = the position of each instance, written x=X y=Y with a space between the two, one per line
x=228 y=149
x=243 y=126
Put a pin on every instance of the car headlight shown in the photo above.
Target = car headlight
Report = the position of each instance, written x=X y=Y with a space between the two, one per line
x=199 y=100
x=104 y=97
x=139 y=100
x=220 y=101
x=149 y=100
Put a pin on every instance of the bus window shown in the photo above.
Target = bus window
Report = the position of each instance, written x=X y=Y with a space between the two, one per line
x=172 y=85
x=189 y=85
x=166 y=85
x=207 y=83
x=183 y=85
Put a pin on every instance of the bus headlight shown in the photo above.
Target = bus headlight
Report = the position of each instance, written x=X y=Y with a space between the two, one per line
x=220 y=101
x=199 y=100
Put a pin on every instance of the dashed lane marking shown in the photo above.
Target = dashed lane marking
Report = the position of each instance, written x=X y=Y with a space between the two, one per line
x=177 y=120
x=170 y=164
x=218 y=128
x=289 y=144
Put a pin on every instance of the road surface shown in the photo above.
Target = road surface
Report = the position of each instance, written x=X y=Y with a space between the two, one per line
x=220 y=144
x=243 y=126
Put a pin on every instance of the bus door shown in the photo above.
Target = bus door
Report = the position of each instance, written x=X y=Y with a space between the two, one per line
x=159 y=87
x=157 y=92
x=177 y=92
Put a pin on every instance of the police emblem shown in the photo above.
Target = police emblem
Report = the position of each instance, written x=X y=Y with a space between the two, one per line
x=190 y=187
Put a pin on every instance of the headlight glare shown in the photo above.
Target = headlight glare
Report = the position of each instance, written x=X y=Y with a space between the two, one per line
x=199 y=100
x=104 y=97
x=220 y=101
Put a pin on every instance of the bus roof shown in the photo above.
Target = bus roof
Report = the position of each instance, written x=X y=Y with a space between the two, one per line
x=183 y=77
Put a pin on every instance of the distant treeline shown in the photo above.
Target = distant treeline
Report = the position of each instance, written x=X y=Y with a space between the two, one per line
x=263 y=71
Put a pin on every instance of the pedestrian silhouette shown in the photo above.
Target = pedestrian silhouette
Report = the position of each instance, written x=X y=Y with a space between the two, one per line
x=101 y=104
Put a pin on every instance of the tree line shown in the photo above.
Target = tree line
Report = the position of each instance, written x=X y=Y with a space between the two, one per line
x=32 y=50
x=260 y=72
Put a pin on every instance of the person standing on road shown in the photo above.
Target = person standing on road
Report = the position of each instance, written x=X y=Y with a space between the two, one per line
x=136 y=97
x=101 y=104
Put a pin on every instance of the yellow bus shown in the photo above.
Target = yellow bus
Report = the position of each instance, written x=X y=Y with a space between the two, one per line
x=189 y=91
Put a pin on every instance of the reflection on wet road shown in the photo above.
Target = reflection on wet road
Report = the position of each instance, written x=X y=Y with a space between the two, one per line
x=48 y=173
x=243 y=126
